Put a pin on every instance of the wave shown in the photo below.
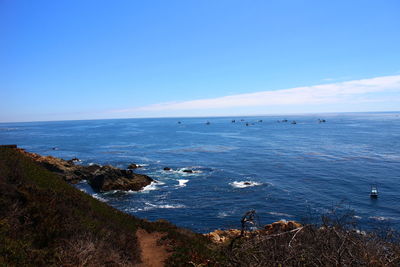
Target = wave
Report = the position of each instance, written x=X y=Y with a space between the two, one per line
x=182 y=183
x=151 y=187
x=150 y=206
x=96 y=196
x=165 y=206
x=244 y=184
x=223 y=214
x=380 y=218
x=186 y=171
x=280 y=214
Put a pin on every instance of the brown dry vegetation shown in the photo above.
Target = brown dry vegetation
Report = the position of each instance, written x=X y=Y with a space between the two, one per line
x=334 y=242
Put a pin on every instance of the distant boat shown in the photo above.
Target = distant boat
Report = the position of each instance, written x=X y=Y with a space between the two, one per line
x=374 y=192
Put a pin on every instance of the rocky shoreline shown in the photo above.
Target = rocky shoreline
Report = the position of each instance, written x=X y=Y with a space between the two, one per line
x=100 y=178
x=275 y=228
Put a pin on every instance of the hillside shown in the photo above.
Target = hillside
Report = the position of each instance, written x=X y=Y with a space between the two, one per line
x=45 y=221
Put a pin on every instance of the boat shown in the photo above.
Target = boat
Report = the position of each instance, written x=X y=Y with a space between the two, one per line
x=374 y=192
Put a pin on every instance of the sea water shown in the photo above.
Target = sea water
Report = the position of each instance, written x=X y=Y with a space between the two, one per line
x=281 y=170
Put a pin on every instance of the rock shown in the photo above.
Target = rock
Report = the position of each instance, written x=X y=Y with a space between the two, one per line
x=167 y=169
x=101 y=178
x=74 y=160
x=223 y=236
x=133 y=166
x=247 y=183
x=281 y=226
x=188 y=171
x=110 y=178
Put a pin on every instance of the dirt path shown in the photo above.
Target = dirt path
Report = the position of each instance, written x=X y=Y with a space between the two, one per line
x=152 y=254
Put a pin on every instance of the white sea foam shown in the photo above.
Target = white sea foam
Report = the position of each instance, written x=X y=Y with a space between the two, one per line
x=380 y=218
x=92 y=163
x=182 y=183
x=96 y=196
x=182 y=171
x=150 y=206
x=151 y=187
x=165 y=206
x=244 y=184
x=223 y=214
x=280 y=214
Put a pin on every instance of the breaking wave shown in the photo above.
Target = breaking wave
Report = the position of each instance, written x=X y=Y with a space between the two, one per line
x=182 y=183
x=244 y=184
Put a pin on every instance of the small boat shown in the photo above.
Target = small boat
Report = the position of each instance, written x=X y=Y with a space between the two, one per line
x=374 y=192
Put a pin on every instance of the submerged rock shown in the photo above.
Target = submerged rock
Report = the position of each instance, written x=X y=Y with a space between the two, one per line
x=188 y=171
x=133 y=166
x=74 y=160
x=167 y=169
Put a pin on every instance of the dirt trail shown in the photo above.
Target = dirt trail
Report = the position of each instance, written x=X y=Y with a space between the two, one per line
x=152 y=255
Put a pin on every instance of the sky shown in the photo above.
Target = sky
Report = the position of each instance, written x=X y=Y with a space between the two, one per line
x=93 y=59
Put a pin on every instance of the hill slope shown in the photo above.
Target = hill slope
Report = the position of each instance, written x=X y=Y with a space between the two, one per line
x=46 y=221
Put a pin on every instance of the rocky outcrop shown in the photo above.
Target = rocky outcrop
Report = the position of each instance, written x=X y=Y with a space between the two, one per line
x=281 y=226
x=101 y=178
x=223 y=236
x=109 y=178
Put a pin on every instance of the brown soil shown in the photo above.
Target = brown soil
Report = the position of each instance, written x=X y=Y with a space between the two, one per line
x=152 y=254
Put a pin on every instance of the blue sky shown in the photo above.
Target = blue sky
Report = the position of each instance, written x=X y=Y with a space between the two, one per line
x=120 y=59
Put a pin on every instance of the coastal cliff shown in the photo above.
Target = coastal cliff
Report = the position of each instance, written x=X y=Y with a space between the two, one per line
x=101 y=178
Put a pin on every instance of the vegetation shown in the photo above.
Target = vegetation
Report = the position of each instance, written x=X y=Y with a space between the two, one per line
x=44 y=221
x=335 y=241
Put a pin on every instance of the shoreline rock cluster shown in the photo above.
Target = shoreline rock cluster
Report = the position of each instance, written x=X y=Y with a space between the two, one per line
x=224 y=236
x=100 y=178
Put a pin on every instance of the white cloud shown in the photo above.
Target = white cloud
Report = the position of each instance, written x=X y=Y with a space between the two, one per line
x=351 y=92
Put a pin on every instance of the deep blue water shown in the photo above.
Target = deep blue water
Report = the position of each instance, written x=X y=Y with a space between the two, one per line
x=293 y=170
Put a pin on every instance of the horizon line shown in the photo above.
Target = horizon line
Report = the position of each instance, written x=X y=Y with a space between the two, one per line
x=213 y=116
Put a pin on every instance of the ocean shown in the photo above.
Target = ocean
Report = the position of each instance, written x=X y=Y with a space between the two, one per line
x=281 y=170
